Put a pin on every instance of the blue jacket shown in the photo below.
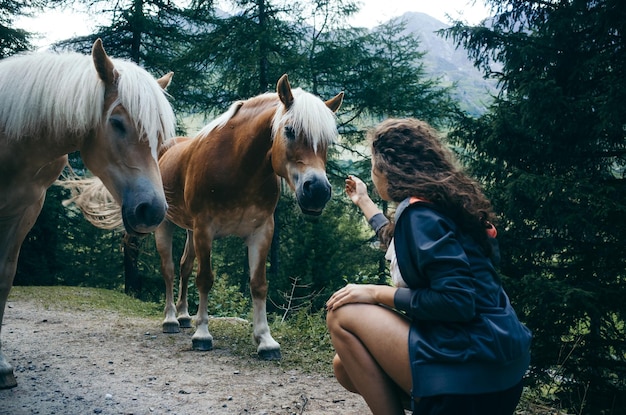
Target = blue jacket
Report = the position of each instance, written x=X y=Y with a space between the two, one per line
x=465 y=337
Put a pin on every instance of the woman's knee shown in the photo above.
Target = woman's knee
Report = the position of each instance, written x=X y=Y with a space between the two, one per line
x=342 y=375
x=336 y=318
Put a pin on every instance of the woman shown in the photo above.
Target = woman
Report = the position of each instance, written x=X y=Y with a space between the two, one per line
x=444 y=339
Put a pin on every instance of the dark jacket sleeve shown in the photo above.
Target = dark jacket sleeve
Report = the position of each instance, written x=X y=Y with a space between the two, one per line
x=378 y=223
x=433 y=262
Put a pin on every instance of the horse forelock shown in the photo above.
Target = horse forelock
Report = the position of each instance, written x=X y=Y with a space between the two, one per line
x=60 y=93
x=310 y=118
x=146 y=104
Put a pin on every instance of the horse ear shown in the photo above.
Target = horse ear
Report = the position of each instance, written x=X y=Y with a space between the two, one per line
x=335 y=102
x=284 y=91
x=165 y=80
x=104 y=65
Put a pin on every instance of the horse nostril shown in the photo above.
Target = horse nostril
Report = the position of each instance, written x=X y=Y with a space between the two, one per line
x=306 y=188
x=142 y=211
x=316 y=190
x=148 y=214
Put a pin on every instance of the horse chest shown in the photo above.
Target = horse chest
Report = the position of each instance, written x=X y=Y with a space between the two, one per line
x=239 y=222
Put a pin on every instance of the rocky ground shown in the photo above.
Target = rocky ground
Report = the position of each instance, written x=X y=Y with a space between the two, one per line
x=100 y=363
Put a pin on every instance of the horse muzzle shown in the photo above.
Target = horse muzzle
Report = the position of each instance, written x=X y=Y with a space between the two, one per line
x=143 y=210
x=312 y=193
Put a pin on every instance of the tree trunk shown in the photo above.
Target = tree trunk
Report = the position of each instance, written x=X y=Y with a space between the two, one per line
x=132 y=279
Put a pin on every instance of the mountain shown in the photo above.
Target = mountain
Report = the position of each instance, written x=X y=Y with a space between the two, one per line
x=450 y=64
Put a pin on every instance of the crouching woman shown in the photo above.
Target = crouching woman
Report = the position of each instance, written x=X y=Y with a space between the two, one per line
x=444 y=339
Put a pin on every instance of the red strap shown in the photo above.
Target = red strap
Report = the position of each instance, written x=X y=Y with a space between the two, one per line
x=415 y=199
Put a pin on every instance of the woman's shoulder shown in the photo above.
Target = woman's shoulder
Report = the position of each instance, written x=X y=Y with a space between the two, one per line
x=423 y=211
x=423 y=223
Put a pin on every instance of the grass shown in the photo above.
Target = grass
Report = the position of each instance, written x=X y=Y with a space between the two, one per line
x=86 y=299
x=305 y=344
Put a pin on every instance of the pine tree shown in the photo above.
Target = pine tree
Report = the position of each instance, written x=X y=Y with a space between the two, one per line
x=552 y=152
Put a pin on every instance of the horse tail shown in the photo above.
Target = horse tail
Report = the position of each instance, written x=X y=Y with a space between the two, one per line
x=93 y=199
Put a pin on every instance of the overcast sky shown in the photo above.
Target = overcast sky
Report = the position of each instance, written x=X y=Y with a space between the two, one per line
x=374 y=12
x=58 y=25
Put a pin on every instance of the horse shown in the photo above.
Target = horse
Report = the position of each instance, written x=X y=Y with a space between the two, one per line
x=111 y=110
x=226 y=181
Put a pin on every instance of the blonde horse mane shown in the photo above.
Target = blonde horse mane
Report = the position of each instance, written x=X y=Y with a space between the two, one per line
x=56 y=94
x=220 y=121
x=308 y=114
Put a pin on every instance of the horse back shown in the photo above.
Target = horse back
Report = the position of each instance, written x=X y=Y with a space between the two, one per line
x=219 y=177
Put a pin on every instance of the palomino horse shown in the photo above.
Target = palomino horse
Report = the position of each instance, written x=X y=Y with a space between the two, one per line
x=115 y=113
x=226 y=181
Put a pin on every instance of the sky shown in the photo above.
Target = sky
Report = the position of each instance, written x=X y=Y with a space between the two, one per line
x=58 y=25
x=374 y=12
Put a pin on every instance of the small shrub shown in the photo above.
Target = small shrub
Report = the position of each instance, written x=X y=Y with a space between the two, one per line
x=226 y=300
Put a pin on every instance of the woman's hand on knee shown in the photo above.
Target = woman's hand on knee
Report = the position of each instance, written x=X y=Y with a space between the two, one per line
x=361 y=293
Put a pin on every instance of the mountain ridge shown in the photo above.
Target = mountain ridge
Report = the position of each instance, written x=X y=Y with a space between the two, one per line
x=451 y=65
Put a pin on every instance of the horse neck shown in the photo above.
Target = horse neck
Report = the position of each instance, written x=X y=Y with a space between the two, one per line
x=254 y=142
x=43 y=147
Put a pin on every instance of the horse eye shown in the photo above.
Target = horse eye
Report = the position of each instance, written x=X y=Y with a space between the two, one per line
x=118 y=125
x=290 y=133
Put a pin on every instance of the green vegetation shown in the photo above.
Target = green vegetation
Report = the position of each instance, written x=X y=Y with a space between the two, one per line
x=550 y=151
x=304 y=338
x=82 y=299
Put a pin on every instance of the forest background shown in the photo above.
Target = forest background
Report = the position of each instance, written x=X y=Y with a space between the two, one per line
x=549 y=149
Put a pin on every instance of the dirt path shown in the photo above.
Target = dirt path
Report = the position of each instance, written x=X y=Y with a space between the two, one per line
x=98 y=363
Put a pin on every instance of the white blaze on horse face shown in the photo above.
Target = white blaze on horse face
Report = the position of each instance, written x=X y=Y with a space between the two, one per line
x=310 y=183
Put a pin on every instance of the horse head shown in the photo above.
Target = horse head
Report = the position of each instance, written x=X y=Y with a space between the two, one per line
x=122 y=150
x=304 y=127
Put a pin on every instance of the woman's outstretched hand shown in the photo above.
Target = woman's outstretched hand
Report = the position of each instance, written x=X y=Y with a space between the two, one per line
x=356 y=189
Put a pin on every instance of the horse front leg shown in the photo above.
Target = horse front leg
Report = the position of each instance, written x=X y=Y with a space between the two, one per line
x=13 y=230
x=258 y=248
x=202 y=241
x=9 y=252
x=186 y=268
x=164 y=236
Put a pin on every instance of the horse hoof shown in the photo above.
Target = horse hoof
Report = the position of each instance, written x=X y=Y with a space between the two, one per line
x=171 y=328
x=7 y=380
x=202 y=345
x=185 y=322
x=270 y=354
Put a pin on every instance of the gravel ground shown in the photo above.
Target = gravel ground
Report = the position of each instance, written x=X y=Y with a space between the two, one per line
x=102 y=363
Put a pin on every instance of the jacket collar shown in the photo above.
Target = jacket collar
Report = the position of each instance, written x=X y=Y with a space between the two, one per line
x=404 y=204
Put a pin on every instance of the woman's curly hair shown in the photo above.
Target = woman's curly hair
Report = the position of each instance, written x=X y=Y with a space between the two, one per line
x=409 y=154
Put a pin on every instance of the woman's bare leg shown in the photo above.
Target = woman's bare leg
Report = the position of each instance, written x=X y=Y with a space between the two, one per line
x=372 y=355
x=342 y=376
